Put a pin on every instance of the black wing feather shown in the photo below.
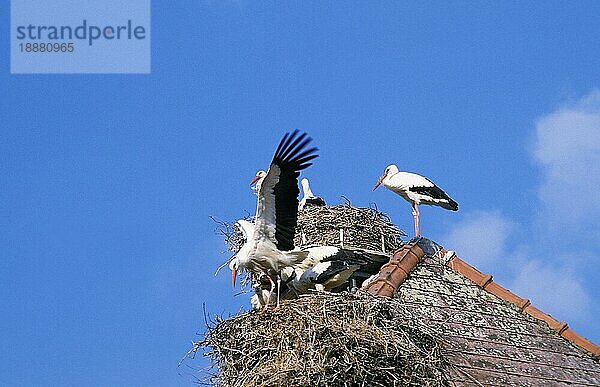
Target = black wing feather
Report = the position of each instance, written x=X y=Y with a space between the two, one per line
x=291 y=157
x=336 y=267
x=318 y=201
x=355 y=260
x=436 y=193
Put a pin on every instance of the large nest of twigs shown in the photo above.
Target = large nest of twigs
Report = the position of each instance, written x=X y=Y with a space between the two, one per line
x=325 y=340
x=342 y=226
x=347 y=226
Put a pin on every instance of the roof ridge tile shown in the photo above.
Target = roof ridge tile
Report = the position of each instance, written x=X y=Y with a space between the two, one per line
x=394 y=273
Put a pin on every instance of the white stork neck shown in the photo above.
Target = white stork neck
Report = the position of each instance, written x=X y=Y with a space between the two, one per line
x=247 y=229
x=306 y=188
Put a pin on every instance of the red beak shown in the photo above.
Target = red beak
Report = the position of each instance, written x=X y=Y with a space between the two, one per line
x=254 y=180
x=379 y=182
x=233 y=276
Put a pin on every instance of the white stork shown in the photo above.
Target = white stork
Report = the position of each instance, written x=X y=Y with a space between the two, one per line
x=415 y=189
x=309 y=198
x=326 y=268
x=269 y=245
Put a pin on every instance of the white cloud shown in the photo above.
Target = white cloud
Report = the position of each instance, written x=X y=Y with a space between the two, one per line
x=481 y=238
x=568 y=148
x=555 y=289
x=555 y=265
x=567 y=224
x=554 y=284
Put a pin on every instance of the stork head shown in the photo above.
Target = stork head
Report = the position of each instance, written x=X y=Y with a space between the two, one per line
x=304 y=183
x=389 y=171
x=259 y=176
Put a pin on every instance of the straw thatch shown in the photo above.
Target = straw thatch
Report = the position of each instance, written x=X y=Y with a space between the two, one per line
x=324 y=339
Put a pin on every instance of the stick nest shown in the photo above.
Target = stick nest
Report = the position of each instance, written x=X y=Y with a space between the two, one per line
x=324 y=339
x=363 y=228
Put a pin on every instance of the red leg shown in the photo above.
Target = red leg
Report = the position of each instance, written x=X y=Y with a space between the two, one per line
x=270 y=293
x=415 y=207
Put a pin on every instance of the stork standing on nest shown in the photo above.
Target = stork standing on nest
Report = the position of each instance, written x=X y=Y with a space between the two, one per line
x=309 y=198
x=416 y=190
x=269 y=245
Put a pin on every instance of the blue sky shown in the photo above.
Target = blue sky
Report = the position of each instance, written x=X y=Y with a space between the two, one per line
x=108 y=181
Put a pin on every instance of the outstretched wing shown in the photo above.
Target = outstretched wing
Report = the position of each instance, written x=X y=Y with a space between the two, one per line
x=277 y=208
